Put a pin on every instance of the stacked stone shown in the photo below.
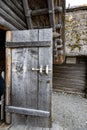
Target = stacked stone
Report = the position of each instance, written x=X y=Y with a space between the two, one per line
x=76 y=33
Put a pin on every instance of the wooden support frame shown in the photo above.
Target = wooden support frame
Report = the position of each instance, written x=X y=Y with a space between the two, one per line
x=44 y=11
x=6 y=25
x=8 y=77
x=17 y=11
x=25 y=111
x=51 y=12
x=11 y=13
x=27 y=44
x=17 y=5
x=27 y=13
x=11 y=20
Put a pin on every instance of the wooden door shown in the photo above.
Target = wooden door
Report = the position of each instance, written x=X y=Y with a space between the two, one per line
x=29 y=77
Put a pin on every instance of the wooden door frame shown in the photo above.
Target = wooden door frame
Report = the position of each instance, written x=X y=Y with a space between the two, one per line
x=8 y=78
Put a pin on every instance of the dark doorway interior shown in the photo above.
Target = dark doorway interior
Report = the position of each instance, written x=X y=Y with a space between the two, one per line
x=2 y=50
x=2 y=72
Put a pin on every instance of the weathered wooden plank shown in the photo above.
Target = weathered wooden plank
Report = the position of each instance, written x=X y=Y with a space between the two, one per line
x=8 y=77
x=44 y=11
x=32 y=76
x=11 y=13
x=27 y=13
x=11 y=20
x=7 y=24
x=25 y=36
x=28 y=44
x=23 y=94
x=51 y=12
x=29 y=59
x=70 y=77
x=15 y=9
x=18 y=5
x=29 y=36
x=2 y=107
x=45 y=81
x=27 y=111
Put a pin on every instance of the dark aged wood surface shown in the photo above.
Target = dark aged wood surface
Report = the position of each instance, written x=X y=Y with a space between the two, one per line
x=27 y=44
x=27 y=14
x=71 y=77
x=29 y=88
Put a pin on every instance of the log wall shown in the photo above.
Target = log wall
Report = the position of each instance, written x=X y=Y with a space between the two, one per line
x=71 y=77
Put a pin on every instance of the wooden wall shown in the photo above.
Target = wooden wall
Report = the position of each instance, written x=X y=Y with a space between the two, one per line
x=71 y=77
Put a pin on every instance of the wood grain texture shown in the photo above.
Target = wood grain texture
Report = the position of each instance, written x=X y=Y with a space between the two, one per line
x=8 y=77
x=27 y=13
x=70 y=77
x=27 y=44
x=11 y=13
x=29 y=88
x=14 y=8
x=6 y=25
x=51 y=13
x=45 y=81
x=11 y=19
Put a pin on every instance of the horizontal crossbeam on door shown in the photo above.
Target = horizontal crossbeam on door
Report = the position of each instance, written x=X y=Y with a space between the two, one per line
x=28 y=44
x=26 y=111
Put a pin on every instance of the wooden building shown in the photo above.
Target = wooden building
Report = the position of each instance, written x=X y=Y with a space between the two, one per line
x=72 y=75
x=26 y=15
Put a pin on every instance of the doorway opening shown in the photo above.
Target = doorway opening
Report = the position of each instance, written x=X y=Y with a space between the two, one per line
x=2 y=73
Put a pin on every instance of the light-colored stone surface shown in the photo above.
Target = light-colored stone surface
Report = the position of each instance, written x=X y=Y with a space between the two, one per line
x=76 y=33
x=70 y=111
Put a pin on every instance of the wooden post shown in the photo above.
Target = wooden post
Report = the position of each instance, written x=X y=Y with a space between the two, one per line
x=8 y=76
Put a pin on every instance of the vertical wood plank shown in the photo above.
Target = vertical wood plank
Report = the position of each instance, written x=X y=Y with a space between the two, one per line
x=27 y=13
x=8 y=76
x=32 y=89
x=51 y=12
x=45 y=81
x=24 y=80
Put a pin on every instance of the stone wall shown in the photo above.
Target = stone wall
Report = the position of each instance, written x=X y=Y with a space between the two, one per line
x=76 y=32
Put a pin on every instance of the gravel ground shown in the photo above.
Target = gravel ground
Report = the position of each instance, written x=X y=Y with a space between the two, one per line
x=70 y=111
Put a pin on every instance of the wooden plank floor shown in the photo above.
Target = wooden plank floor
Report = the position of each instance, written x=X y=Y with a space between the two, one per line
x=24 y=127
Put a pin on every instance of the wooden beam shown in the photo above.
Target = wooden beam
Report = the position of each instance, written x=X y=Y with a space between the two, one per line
x=11 y=13
x=51 y=12
x=18 y=5
x=27 y=13
x=45 y=11
x=16 y=10
x=11 y=20
x=8 y=77
x=27 y=111
x=5 y=25
x=28 y=44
